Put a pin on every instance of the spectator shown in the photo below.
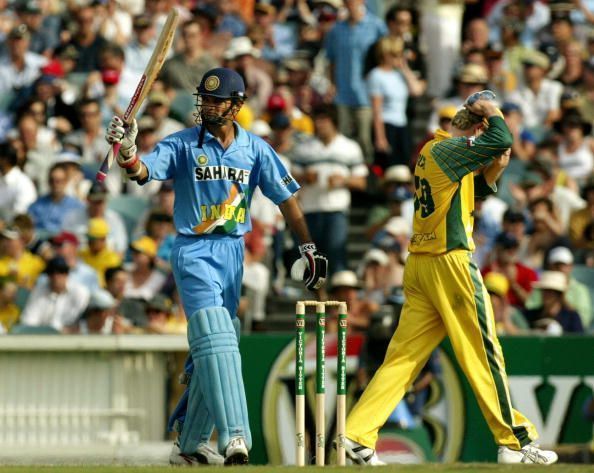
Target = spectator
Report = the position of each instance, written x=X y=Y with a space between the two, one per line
x=9 y=312
x=519 y=277
x=346 y=46
x=539 y=97
x=561 y=259
x=159 y=311
x=134 y=310
x=77 y=221
x=508 y=319
x=43 y=38
x=329 y=166
x=242 y=55
x=15 y=261
x=524 y=145
x=33 y=243
x=49 y=211
x=576 y=149
x=17 y=191
x=145 y=280
x=231 y=21
x=283 y=101
x=100 y=317
x=20 y=67
x=515 y=223
x=115 y=21
x=555 y=316
x=344 y=286
x=573 y=72
x=38 y=160
x=65 y=245
x=393 y=239
x=390 y=84
x=485 y=230
x=113 y=60
x=586 y=91
x=86 y=39
x=157 y=108
x=397 y=196
x=470 y=78
x=56 y=302
x=280 y=38
x=138 y=51
x=546 y=231
x=192 y=62
x=580 y=219
x=374 y=274
x=97 y=254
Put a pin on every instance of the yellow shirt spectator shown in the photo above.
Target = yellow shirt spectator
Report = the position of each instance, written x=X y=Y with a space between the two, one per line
x=97 y=254
x=16 y=261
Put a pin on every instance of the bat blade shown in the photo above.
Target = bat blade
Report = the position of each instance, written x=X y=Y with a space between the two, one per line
x=144 y=85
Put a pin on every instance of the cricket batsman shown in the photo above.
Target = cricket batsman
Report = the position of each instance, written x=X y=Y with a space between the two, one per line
x=444 y=291
x=215 y=167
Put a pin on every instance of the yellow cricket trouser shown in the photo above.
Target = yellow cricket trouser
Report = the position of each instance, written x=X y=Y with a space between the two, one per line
x=443 y=295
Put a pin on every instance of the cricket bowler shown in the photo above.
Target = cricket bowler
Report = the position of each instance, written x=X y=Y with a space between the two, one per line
x=444 y=291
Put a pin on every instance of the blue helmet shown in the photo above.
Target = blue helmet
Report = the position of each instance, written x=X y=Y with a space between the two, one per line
x=223 y=83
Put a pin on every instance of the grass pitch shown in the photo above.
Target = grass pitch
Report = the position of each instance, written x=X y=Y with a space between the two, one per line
x=427 y=468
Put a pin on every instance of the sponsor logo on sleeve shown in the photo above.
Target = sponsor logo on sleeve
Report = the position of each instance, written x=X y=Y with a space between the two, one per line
x=287 y=180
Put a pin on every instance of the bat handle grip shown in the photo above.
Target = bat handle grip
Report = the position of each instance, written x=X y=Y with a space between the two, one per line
x=107 y=162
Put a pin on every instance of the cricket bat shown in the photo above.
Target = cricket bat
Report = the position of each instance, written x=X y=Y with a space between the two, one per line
x=144 y=86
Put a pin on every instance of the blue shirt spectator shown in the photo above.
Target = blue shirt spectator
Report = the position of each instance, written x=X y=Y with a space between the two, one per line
x=346 y=46
x=48 y=211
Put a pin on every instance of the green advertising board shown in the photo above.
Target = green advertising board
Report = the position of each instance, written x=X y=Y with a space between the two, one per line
x=550 y=380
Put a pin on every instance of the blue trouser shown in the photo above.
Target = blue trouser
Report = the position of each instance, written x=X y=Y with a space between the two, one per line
x=329 y=230
x=208 y=272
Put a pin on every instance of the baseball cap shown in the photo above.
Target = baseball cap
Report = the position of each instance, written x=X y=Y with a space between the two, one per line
x=513 y=216
x=159 y=302
x=98 y=191
x=376 y=255
x=67 y=52
x=276 y=103
x=97 y=228
x=398 y=173
x=10 y=233
x=506 y=240
x=241 y=46
x=19 y=31
x=64 y=237
x=101 y=300
x=509 y=107
x=473 y=74
x=265 y=8
x=344 y=278
x=280 y=121
x=552 y=280
x=532 y=57
x=143 y=21
x=397 y=226
x=560 y=254
x=296 y=64
x=447 y=112
x=147 y=123
x=57 y=265
x=222 y=82
x=160 y=98
x=261 y=128
x=29 y=6
x=145 y=245
x=400 y=194
x=496 y=283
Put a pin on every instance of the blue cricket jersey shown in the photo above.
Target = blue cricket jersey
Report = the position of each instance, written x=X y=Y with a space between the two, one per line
x=213 y=186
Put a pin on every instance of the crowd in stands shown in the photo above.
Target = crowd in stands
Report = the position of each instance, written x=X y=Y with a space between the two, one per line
x=347 y=92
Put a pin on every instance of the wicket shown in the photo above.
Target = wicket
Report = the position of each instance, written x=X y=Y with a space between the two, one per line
x=320 y=381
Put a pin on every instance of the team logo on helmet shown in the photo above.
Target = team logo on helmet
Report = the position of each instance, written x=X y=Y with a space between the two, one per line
x=202 y=160
x=212 y=83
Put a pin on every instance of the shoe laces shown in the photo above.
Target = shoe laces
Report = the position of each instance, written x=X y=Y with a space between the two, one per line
x=533 y=454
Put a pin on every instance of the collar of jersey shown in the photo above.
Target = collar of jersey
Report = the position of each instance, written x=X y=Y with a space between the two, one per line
x=241 y=138
x=441 y=135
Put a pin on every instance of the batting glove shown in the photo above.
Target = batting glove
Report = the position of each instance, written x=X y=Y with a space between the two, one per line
x=311 y=268
x=118 y=132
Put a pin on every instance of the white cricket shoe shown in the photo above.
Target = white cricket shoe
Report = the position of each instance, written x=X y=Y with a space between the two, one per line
x=528 y=454
x=361 y=455
x=236 y=452
x=205 y=455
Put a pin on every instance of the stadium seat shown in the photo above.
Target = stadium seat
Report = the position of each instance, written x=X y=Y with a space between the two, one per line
x=130 y=208
x=32 y=330
x=22 y=295
x=585 y=275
